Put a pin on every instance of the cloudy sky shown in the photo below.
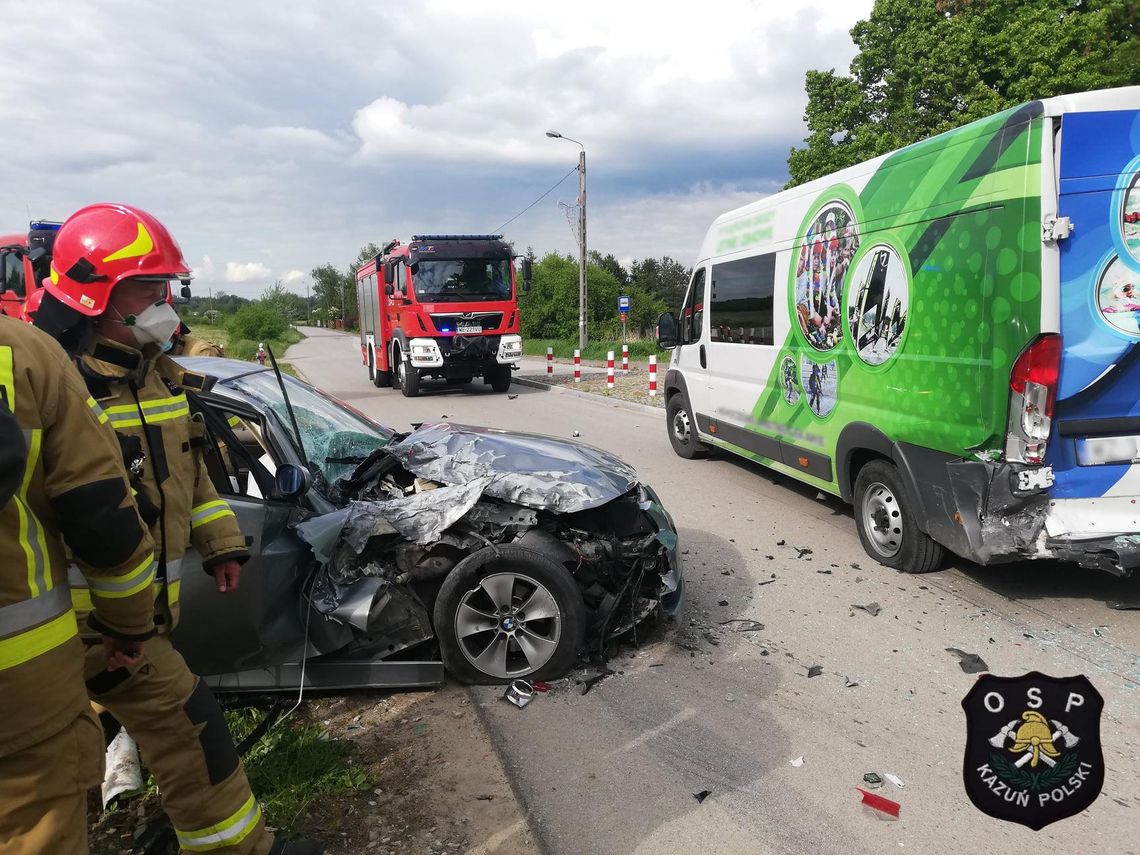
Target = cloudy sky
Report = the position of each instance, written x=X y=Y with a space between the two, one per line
x=273 y=137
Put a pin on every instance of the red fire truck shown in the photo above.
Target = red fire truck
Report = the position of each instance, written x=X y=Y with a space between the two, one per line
x=442 y=306
x=24 y=261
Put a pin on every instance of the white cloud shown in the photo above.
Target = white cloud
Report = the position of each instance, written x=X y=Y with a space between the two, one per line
x=249 y=271
x=292 y=277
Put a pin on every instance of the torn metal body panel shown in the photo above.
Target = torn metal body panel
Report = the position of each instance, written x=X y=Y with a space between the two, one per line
x=527 y=469
x=503 y=554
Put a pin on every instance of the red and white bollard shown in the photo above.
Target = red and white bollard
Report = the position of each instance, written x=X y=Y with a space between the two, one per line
x=577 y=366
x=609 y=369
x=625 y=359
x=549 y=361
x=653 y=375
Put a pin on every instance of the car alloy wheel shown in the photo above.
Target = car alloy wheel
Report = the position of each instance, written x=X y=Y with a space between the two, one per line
x=508 y=626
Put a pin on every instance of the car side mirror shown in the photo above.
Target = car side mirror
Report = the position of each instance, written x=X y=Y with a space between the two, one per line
x=667 y=331
x=528 y=274
x=292 y=481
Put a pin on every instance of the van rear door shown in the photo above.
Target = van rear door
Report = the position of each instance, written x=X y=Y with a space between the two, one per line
x=1094 y=447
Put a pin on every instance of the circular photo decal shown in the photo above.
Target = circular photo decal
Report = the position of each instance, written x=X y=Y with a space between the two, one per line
x=1117 y=298
x=821 y=382
x=879 y=298
x=829 y=245
x=790 y=379
x=1130 y=217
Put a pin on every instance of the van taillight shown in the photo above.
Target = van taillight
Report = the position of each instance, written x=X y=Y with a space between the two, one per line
x=1033 y=384
x=1040 y=364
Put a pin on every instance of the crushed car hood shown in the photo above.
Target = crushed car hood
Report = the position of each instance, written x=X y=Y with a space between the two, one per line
x=532 y=470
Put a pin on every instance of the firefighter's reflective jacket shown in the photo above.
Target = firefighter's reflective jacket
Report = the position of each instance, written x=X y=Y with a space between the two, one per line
x=145 y=400
x=188 y=345
x=71 y=489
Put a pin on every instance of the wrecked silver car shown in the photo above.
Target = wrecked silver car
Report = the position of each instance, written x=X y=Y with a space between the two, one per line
x=380 y=558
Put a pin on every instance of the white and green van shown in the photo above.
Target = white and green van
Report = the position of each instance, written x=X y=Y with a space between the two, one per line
x=947 y=337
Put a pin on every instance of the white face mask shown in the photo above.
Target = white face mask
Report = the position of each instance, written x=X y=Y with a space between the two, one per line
x=156 y=324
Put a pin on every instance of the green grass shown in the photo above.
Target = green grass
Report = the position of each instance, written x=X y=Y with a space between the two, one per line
x=293 y=765
x=243 y=348
x=564 y=348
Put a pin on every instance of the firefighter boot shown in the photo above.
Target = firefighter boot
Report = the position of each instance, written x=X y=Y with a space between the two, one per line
x=184 y=741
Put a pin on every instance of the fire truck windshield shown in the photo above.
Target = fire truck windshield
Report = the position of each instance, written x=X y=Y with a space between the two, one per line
x=462 y=280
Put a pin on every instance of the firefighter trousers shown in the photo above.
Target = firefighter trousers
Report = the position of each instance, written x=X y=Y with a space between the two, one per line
x=184 y=741
x=43 y=791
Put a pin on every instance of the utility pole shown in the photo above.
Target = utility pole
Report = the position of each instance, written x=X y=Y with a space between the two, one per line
x=583 y=294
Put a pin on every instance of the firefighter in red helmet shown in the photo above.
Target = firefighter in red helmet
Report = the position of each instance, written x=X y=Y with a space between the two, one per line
x=106 y=302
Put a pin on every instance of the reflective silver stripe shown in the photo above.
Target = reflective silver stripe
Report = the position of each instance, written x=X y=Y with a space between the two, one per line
x=230 y=831
x=26 y=614
x=136 y=580
x=174 y=570
x=208 y=512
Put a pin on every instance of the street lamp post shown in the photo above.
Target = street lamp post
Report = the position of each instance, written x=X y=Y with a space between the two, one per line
x=582 y=291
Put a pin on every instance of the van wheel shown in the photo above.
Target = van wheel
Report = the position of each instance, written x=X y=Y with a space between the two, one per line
x=408 y=378
x=682 y=429
x=500 y=377
x=886 y=523
x=380 y=379
x=507 y=612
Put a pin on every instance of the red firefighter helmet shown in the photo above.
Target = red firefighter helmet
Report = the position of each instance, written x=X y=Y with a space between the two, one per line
x=32 y=305
x=99 y=246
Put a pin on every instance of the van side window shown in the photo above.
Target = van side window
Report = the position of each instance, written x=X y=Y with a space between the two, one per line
x=740 y=307
x=692 y=316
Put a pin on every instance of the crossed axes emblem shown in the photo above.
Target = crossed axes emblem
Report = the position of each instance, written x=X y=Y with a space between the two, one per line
x=1061 y=731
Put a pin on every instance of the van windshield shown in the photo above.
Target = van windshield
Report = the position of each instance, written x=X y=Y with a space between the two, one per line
x=462 y=280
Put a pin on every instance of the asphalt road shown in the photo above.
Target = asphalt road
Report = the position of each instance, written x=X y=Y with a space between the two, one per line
x=616 y=770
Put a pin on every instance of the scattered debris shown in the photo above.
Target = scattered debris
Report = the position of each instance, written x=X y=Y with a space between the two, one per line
x=589 y=680
x=1098 y=632
x=780 y=542
x=971 y=663
x=894 y=779
x=575 y=433
x=722 y=603
x=856 y=567
x=702 y=795
x=880 y=803
x=872 y=609
x=858 y=579
x=814 y=671
x=745 y=625
x=511 y=397
x=770 y=557
x=802 y=551
x=768 y=581
x=729 y=698
x=799 y=761
x=712 y=638
x=872 y=780
x=541 y=686
x=485 y=797
x=520 y=693
x=1121 y=606
x=824 y=572
x=849 y=683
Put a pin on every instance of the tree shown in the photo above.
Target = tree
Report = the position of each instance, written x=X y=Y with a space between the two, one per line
x=329 y=289
x=926 y=66
x=610 y=264
x=662 y=278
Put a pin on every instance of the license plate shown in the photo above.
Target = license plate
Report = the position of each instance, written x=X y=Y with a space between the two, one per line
x=469 y=328
x=1103 y=450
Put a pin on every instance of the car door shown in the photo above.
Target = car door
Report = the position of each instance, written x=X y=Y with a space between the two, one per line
x=690 y=357
x=260 y=623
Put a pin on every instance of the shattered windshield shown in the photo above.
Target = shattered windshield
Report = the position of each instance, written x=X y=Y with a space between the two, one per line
x=336 y=438
x=462 y=280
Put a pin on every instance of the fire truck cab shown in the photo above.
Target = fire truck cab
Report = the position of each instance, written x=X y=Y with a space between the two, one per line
x=24 y=260
x=441 y=306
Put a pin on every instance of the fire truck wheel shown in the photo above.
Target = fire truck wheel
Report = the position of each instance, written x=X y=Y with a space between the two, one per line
x=408 y=378
x=500 y=377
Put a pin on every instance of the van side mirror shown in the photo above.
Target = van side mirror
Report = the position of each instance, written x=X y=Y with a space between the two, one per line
x=291 y=481
x=667 y=331
x=528 y=274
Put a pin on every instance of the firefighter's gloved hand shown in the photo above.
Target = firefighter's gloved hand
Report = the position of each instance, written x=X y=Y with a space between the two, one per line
x=120 y=653
x=227 y=575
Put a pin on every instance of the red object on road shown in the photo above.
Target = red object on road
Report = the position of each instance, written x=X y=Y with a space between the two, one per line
x=550 y=360
x=625 y=359
x=880 y=803
x=653 y=375
x=609 y=369
x=577 y=366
